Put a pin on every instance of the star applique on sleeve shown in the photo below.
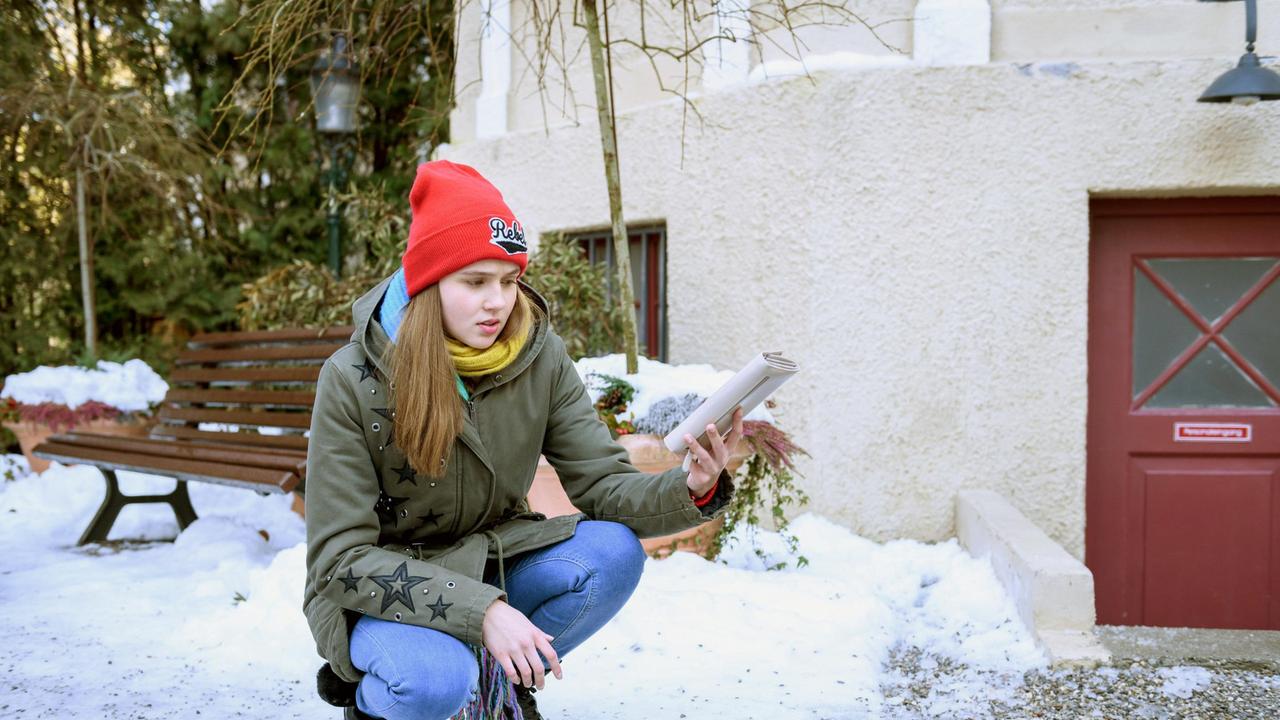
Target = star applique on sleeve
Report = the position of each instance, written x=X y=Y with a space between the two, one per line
x=351 y=582
x=397 y=586
x=438 y=608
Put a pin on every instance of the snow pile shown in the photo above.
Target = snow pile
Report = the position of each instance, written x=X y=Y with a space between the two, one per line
x=657 y=381
x=214 y=619
x=233 y=428
x=1183 y=681
x=129 y=387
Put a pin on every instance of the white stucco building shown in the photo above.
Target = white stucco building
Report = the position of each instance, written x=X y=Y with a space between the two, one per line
x=915 y=221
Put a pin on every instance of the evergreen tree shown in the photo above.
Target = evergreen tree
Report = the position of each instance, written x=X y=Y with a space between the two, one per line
x=200 y=163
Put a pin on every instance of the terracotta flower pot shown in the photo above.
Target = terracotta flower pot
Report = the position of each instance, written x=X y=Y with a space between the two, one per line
x=133 y=427
x=649 y=455
x=31 y=434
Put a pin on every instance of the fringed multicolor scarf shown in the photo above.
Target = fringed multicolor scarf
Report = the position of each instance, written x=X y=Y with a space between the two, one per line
x=497 y=698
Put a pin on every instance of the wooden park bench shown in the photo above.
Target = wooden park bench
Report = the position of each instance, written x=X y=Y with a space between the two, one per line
x=236 y=412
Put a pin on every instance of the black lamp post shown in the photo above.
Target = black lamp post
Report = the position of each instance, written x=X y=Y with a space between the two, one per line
x=1248 y=82
x=335 y=87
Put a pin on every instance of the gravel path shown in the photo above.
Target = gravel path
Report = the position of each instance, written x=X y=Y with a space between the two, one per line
x=925 y=686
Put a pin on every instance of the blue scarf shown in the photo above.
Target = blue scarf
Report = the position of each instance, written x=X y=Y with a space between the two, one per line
x=393 y=304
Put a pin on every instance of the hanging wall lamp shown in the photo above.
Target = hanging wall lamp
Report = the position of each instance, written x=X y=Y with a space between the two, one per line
x=1248 y=82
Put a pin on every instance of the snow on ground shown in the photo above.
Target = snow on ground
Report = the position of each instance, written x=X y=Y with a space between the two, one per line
x=210 y=625
x=1184 y=680
x=131 y=386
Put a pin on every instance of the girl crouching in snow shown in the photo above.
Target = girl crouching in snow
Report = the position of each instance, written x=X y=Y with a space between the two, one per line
x=429 y=581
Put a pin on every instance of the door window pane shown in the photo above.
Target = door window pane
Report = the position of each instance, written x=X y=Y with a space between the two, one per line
x=1255 y=333
x=1161 y=332
x=1211 y=285
x=1210 y=380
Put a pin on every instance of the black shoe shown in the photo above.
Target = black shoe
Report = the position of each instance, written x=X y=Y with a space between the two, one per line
x=528 y=706
x=353 y=713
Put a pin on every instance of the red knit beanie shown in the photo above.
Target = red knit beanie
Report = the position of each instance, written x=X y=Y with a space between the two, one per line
x=458 y=218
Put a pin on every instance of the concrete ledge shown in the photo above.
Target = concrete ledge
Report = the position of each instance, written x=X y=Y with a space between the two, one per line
x=1246 y=648
x=1052 y=590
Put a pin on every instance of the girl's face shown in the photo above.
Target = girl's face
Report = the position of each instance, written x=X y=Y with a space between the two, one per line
x=477 y=301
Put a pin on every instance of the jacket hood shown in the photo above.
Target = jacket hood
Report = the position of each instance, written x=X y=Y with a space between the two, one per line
x=370 y=335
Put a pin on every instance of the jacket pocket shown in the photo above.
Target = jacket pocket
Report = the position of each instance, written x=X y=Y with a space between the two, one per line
x=465 y=557
x=522 y=534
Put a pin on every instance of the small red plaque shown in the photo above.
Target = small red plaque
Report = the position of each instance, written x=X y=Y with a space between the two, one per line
x=1212 y=432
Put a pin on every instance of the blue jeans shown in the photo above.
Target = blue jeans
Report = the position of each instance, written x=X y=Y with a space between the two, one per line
x=568 y=590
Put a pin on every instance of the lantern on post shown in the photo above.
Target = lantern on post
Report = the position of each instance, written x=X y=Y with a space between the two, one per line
x=335 y=88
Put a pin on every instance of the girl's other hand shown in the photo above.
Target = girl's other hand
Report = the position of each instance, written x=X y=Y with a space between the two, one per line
x=515 y=642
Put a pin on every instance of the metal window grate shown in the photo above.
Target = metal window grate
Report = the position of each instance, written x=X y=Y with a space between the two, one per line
x=648 y=279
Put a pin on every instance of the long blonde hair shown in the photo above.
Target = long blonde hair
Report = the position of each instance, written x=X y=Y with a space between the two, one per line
x=424 y=386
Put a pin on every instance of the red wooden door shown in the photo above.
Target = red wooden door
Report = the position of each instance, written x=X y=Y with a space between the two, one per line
x=1183 y=473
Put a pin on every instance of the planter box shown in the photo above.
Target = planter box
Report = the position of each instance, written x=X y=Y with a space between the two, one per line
x=31 y=434
x=649 y=455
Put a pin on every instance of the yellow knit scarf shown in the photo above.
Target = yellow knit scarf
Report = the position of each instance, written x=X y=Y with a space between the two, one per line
x=471 y=362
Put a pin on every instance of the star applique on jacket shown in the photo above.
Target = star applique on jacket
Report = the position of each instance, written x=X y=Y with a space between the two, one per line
x=386 y=508
x=350 y=582
x=367 y=370
x=431 y=517
x=407 y=474
x=439 y=607
x=398 y=586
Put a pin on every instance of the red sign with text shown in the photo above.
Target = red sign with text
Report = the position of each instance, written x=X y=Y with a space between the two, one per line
x=1212 y=432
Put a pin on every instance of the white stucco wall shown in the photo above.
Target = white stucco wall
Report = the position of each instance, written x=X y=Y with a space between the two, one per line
x=917 y=238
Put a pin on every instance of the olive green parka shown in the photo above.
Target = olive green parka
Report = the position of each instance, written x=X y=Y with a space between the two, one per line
x=398 y=543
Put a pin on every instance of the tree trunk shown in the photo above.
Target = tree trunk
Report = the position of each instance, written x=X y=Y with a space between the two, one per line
x=621 y=247
x=86 y=271
x=95 y=59
x=81 y=65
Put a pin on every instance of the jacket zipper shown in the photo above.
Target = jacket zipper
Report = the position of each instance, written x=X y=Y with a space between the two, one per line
x=457 y=510
x=457 y=515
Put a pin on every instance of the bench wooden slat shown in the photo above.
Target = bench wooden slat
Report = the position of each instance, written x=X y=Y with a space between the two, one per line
x=316 y=351
x=305 y=374
x=267 y=418
x=294 y=442
x=298 y=398
x=293 y=335
x=267 y=480
x=231 y=379
x=285 y=460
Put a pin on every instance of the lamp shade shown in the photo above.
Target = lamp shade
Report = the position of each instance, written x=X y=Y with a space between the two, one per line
x=1246 y=82
x=335 y=87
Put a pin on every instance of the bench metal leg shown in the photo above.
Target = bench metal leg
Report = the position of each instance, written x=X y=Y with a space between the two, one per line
x=115 y=501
